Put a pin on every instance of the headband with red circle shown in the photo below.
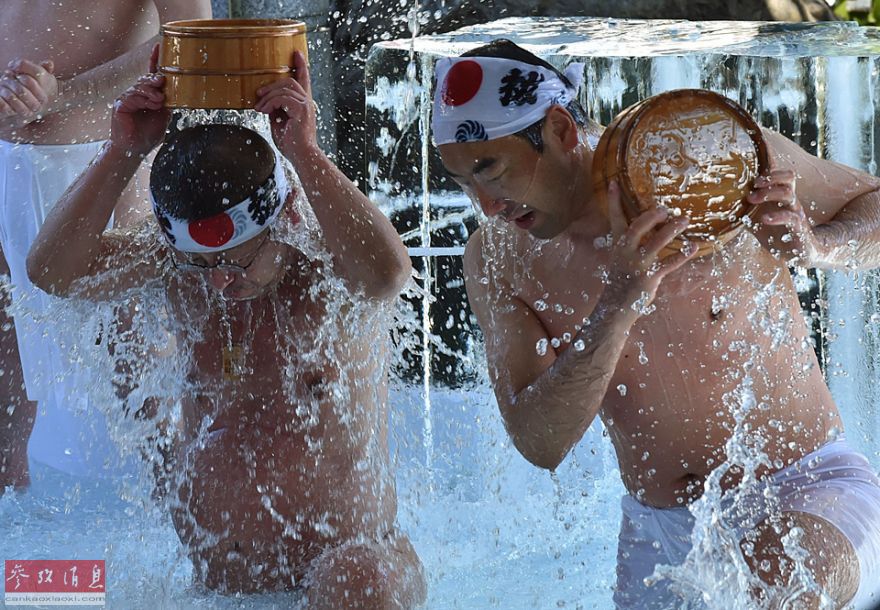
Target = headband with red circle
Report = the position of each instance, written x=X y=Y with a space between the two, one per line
x=235 y=225
x=484 y=98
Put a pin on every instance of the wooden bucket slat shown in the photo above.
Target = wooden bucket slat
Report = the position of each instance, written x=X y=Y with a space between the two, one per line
x=220 y=63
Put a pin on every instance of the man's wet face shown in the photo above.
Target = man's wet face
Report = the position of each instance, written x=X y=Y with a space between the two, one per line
x=244 y=272
x=503 y=178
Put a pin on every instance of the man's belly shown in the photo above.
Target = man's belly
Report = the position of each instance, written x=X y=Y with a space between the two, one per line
x=260 y=486
x=88 y=124
x=667 y=449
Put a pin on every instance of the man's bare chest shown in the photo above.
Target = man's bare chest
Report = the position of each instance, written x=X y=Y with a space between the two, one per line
x=75 y=34
x=703 y=301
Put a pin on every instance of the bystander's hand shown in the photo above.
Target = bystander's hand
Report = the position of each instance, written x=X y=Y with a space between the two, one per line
x=636 y=270
x=140 y=117
x=292 y=112
x=27 y=89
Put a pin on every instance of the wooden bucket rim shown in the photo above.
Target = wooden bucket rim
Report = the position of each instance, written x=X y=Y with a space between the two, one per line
x=233 y=28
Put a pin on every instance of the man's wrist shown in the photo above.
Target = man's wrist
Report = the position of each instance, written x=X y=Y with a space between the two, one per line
x=121 y=153
x=300 y=154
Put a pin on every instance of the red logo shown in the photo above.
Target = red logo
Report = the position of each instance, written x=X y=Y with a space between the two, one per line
x=55 y=582
x=462 y=83
x=212 y=232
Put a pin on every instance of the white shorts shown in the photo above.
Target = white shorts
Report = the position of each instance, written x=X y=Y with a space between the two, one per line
x=67 y=435
x=834 y=483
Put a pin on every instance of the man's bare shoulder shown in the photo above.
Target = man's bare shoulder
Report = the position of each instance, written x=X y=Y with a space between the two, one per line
x=493 y=251
x=823 y=186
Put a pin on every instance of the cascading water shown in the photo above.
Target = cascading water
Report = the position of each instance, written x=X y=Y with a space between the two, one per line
x=491 y=530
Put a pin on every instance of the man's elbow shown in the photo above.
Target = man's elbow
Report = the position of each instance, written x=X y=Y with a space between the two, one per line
x=39 y=274
x=548 y=458
x=392 y=279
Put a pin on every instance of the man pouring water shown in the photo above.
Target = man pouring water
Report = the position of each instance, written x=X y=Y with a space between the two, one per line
x=584 y=317
x=279 y=472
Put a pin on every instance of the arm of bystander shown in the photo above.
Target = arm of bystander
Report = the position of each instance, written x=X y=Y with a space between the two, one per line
x=29 y=89
x=72 y=243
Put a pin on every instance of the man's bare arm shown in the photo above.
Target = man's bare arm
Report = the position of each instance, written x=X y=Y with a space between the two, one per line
x=548 y=402
x=72 y=244
x=367 y=252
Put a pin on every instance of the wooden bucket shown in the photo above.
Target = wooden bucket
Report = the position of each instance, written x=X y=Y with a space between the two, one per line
x=693 y=151
x=220 y=63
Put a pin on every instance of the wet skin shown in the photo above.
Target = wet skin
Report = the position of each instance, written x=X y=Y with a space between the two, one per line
x=325 y=478
x=673 y=409
x=537 y=270
x=76 y=35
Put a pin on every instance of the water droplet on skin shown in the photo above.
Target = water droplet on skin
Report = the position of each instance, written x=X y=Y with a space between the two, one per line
x=541 y=347
x=555 y=342
x=622 y=389
x=540 y=305
x=579 y=345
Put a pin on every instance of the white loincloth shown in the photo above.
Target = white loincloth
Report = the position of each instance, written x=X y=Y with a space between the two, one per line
x=67 y=435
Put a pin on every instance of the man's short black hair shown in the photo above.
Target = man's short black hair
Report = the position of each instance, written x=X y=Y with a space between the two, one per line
x=503 y=48
x=204 y=170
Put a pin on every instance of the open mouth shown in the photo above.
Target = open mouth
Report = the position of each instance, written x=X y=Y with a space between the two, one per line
x=525 y=221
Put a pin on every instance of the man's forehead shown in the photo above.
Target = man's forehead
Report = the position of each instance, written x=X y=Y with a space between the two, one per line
x=462 y=162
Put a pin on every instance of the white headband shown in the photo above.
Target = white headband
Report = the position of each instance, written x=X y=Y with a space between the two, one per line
x=233 y=226
x=484 y=98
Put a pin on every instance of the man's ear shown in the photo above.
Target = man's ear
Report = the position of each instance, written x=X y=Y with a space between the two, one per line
x=559 y=126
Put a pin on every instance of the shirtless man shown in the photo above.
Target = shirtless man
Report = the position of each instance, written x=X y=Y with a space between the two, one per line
x=281 y=472
x=65 y=62
x=570 y=315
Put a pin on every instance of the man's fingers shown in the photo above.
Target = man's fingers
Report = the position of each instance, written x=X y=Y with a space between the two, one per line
x=134 y=100
x=32 y=84
x=30 y=68
x=783 y=193
x=775 y=176
x=282 y=84
x=11 y=98
x=276 y=93
x=782 y=218
x=23 y=94
x=49 y=66
x=154 y=58
x=616 y=216
x=5 y=109
x=645 y=223
x=301 y=71
x=664 y=235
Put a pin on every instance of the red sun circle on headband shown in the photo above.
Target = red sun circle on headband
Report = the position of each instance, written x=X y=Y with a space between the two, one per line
x=212 y=232
x=462 y=83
